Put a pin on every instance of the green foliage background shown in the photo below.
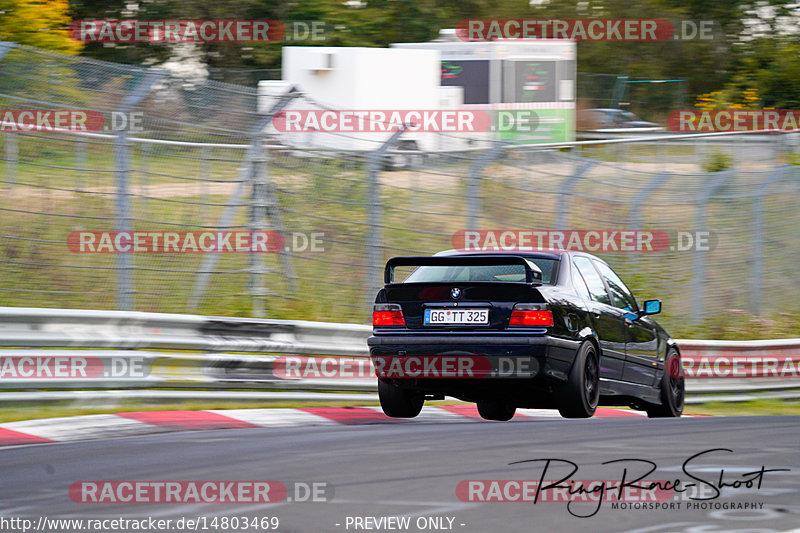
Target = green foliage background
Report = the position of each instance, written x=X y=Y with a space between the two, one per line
x=751 y=49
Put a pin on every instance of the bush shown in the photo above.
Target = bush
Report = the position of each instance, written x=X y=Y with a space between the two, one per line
x=792 y=158
x=718 y=161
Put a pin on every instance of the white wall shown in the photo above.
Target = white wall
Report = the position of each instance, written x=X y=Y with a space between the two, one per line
x=361 y=78
x=365 y=78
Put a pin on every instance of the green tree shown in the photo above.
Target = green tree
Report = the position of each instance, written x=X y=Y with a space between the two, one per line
x=38 y=23
x=737 y=58
x=771 y=67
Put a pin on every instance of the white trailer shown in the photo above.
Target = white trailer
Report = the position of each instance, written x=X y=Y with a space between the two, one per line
x=527 y=75
x=352 y=78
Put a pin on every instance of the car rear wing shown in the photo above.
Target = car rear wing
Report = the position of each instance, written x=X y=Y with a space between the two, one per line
x=533 y=274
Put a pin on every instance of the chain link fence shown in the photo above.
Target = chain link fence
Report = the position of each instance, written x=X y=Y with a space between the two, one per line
x=205 y=159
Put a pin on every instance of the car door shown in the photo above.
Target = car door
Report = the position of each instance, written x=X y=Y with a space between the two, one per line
x=641 y=347
x=609 y=321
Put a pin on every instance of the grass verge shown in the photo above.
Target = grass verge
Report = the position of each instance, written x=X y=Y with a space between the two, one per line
x=751 y=408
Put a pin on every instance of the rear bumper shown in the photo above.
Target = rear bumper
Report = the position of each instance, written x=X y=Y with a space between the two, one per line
x=494 y=356
x=476 y=340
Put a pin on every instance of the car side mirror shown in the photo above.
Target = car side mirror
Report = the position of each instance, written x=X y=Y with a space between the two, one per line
x=651 y=307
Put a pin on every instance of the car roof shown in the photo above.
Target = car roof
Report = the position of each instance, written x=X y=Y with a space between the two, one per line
x=610 y=111
x=528 y=252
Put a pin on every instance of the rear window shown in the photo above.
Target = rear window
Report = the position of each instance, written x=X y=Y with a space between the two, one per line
x=499 y=273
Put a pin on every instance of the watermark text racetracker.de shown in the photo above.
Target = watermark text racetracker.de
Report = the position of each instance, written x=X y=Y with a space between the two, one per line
x=626 y=30
x=405 y=367
x=197 y=31
x=745 y=365
x=46 y=367
x=69 y=120
x=198 y=491
x=169 y=242
x=412 y=120
x=608 y=240
x=720 y=120
x=779 y=364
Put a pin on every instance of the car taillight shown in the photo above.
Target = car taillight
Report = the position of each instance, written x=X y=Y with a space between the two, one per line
x=387 y=315
x=523 y=316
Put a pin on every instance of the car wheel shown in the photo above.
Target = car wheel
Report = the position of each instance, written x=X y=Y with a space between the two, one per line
x=496 y=410
x=579 y=396
x=398 y=402
x=673 y=389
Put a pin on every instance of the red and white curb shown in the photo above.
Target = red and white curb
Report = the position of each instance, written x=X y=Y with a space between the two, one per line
x=139 y=423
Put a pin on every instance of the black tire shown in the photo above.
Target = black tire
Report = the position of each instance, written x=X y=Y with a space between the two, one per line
x=398 y=402
x=579 y=396
x=673 y=389
x=496 y=410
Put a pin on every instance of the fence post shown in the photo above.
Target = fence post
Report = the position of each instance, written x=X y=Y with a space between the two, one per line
x=81 y=163
x=205 y=173
x=375 y=220
x=263 y=212
x=566 y=190
x=699 y=278
x=641 y=196
x=145 y=152
x=12 y=151
x=758 y=239
x=225 y=221
x=123 y=215
x=258 y=222
x=246 y=174
x=636 y=204
x=12 y=156
x=11 y=138
x=125 y=282
x=474 y=189
x=778 y=146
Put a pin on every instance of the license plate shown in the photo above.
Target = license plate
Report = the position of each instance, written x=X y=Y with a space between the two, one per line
x=456 y=316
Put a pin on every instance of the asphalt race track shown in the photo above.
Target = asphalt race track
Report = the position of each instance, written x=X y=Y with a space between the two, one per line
x=412 y=470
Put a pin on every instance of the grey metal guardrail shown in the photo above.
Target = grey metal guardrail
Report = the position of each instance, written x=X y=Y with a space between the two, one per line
x=724 y=370
x=65 y=354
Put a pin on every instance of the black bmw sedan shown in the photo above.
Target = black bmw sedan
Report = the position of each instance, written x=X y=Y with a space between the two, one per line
x=538 y=329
